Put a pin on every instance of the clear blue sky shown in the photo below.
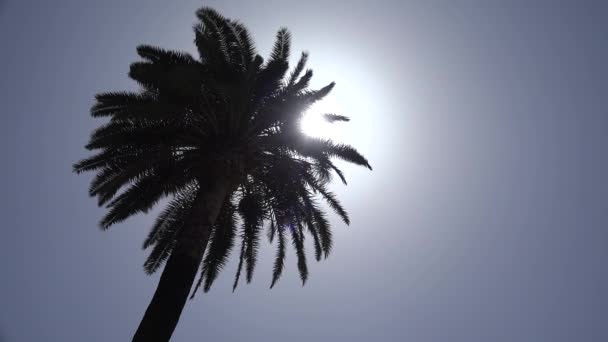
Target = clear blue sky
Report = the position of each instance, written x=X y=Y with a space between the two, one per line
x=485 y=218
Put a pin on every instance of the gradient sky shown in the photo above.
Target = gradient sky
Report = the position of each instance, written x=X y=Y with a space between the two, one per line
x=484 y=219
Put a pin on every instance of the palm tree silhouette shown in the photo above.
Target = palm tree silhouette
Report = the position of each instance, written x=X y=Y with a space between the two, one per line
x=220 y=137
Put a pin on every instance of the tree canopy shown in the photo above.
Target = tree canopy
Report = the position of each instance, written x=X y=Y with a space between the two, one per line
x=228 y=111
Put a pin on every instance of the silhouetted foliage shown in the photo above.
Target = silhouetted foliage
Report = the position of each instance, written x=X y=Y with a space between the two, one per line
x=227 y=110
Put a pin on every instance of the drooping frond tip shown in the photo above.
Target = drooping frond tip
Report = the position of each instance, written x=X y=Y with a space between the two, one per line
x=279 y=261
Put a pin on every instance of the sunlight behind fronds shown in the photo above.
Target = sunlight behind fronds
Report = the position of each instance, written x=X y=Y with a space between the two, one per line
x=314 y=123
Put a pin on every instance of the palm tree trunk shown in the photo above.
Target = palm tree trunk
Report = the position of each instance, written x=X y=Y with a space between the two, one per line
x=175 y=283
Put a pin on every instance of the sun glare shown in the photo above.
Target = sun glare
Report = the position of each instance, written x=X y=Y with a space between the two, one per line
x=313 y=124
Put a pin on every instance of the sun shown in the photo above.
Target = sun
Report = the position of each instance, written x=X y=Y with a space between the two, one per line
x=314 y=125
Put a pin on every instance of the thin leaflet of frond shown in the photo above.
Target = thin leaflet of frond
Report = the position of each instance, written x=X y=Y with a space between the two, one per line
x=298 y=69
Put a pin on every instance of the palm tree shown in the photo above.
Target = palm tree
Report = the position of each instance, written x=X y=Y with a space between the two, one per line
x=219 y=136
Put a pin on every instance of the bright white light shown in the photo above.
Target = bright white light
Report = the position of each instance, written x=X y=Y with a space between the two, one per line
x=313 y=124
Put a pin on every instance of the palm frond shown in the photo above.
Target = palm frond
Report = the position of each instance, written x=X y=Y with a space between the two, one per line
x=298 y=69
x=239 y=267
x=214 y=27
x=173 y=215
x=156 y=54
x=220 y=245
x=279 y=261
x=301 y=84
x=282 y=46
x=333 y=202
x=272 y=230
x=162 y=250
x=252 y=213
x=297 y=239
x=165 y=232
x=243 y=47
x=335 y=117
x=308 y=215
x=338 y=172
x=143 y=194
x=313 y=96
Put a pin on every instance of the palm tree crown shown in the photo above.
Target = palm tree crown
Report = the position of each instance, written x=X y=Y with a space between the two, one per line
x=231 y=115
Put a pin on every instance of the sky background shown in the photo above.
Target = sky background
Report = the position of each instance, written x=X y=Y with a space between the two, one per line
x=485 y=218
